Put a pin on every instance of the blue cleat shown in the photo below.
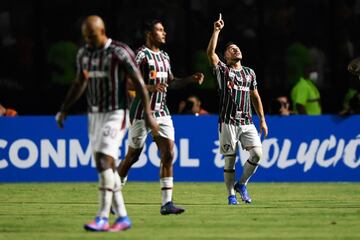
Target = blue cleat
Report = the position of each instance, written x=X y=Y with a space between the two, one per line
x=170 y=208
x=232 y=200
x=98 y=225
x=121 y=224
x=241 y=189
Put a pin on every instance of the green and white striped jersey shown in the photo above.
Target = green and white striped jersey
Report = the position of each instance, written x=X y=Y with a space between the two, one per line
x=234 y=90
x=155 y=68
x=106 y=71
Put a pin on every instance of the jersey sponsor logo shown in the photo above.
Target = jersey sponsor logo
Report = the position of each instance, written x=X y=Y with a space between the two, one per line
x=232 y=85
x=153 y=74
x=97 y=74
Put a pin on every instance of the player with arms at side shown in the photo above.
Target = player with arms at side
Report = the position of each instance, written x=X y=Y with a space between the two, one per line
x=156 y=70
x=238 y=89
x=102 y=67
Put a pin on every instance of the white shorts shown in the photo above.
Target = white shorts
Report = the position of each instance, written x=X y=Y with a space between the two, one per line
x=230 y=135
x=138 y=132
x=106 y=131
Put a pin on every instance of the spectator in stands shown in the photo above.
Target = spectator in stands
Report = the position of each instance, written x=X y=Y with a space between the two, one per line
x=7 y=112
x=351 y=103
x=192 y=105
x=305 y=95
x=280 y=106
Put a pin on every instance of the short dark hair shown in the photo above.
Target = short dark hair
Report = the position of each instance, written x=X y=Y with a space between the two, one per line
x=148 y=25
x=227 y=45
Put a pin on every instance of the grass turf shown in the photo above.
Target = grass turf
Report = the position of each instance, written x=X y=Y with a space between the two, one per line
x=278 y=211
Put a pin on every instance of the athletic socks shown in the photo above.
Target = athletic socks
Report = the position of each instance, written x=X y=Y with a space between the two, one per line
x=166 y=185
x=106 y=186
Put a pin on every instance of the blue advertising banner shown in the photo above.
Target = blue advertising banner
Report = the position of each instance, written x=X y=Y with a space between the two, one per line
x=298 y=149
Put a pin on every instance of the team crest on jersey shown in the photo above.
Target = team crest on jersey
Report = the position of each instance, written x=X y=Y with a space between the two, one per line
x=248 y=78
x=226 y=147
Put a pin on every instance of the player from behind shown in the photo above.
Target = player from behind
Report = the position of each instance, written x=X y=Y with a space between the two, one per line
x=102 y=67
x=156 y=70
x=238 y=90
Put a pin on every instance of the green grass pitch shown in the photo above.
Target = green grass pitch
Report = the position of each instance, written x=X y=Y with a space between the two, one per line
x=279 y=211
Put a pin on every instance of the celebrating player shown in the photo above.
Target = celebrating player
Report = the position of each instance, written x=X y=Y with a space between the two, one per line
x=238 y=89
x=156 y=70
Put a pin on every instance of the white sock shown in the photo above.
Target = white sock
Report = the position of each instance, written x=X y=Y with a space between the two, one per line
x=106 y=186
x=229 y=179
x=118 y=203
x=248 y=171
x=251 y=165
x=166 y=185
x=229 y=173
x=123 y=180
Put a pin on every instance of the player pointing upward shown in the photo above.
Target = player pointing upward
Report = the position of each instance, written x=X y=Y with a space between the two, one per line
x=238 y=89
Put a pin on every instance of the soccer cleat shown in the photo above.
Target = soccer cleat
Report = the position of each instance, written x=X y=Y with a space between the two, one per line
x=98 y=225
x=232 y=200
x=170 y=208
x=241 y=188
x=121 y=224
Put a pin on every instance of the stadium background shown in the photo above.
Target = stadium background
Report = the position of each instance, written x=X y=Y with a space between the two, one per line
x=40 y=37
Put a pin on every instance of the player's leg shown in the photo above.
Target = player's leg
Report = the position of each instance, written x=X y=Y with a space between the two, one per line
x=105 y=134
x=104 y=165
x=227 y=139
x=136 y=138
x=132 y=156
x=165 y=144
x=250 y=140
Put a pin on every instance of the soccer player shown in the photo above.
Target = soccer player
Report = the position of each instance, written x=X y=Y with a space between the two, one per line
x=156 y=70
x=102 y=67
x=238 y=89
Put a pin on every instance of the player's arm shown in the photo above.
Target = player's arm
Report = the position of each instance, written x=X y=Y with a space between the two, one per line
x=76 y=90
x=141 y=91
x=177 y=83
x=213 y=57
x=256 y=102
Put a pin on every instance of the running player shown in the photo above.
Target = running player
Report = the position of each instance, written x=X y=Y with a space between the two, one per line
x=102 y=67
x=156 y=70
x=238 y=90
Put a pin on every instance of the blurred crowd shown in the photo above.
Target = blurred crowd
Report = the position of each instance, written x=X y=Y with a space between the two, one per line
x=293 y=46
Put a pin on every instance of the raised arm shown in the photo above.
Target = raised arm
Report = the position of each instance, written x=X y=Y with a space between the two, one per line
x=256 y=102
x=177 y=83
x=213 y=57
x=76 y=90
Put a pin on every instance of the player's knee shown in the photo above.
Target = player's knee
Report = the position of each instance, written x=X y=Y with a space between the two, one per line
x=255 y=154
x=167 y=157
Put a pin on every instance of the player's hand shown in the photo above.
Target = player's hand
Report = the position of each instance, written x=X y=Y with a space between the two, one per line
x=60 y=118
x=159 y=87
x=354 y=67
x=263 y=128
x=198 y=78
x=152 y=124
x=219 y=24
